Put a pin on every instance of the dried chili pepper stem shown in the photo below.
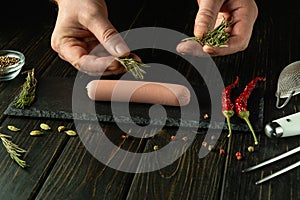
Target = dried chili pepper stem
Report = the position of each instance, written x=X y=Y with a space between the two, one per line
x=245 y=115
x=241 y=104
x=227 y=105
x=228 y=115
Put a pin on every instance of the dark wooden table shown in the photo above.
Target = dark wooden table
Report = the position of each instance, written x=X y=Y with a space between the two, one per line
x=60 y=167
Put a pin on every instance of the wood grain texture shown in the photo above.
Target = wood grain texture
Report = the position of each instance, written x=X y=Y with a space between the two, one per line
x=61 y=167
x=79 y=175
x=189 y=177
x=42 y=152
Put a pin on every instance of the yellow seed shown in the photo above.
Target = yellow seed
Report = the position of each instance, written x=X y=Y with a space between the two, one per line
x=184 y=138
x=210 y=147
x=155 y=148
x=12 y=128
x=45 y=126
x=250 y=148
x=36 y=133
x=61 y=128
x=70 y=132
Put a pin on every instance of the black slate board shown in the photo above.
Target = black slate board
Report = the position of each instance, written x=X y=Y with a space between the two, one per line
x=54 y=100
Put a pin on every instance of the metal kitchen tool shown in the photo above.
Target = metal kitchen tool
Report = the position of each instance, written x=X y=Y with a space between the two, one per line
x=284 y=127
x=286 y=169
x=288 y=83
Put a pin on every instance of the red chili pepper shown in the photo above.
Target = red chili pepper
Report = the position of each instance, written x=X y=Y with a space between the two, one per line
x=241 y=104
x=227 y=105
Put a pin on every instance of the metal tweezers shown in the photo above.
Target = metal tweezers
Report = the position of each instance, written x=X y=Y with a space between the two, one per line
x=288 y=153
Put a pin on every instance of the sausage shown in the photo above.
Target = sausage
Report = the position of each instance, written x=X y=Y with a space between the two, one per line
x=138 y=92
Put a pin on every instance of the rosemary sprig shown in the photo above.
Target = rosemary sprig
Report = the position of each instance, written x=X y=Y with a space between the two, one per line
x=133 y=66
x=27 y=94
x=216 y=37
x=13 y=149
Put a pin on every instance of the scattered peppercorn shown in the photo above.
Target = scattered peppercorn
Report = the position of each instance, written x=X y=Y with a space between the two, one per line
x=239 y=157
x=250 y=148
x=222 y=151
x=210 y=147
x=213 y=137
x=124 y=137
x=204 y=144
x=185 y=138
x=173 y=137
x=238 y=154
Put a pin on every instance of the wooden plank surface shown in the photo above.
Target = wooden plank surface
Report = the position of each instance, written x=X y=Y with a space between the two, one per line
x=42 y=153
x=79 y=175
x=61 y=167
x=188 y=177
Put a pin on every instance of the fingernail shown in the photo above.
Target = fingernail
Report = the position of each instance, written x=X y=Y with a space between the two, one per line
x=122 y=49
x=200 y=29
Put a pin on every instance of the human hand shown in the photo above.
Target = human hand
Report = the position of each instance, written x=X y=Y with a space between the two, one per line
x=210 y=14
x=85 y=38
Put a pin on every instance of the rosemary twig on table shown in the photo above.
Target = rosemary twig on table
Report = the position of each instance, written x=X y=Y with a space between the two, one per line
x=133 y=66
x=13 y=149
x=27 y=94
x=216 y=37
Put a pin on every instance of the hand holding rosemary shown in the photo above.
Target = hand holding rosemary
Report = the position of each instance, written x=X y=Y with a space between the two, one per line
x=134 y=66
x=217 y=37
x=27 y=94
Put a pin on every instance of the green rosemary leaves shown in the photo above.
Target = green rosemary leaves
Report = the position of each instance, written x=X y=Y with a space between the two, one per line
x=13 y=149
x=27 y=94
x=133 y=66
x=216 y=37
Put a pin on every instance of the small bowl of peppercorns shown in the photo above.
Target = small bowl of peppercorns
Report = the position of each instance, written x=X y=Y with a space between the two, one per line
x=11 y=63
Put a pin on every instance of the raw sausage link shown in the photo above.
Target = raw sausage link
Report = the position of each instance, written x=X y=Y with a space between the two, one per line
x=142 y=92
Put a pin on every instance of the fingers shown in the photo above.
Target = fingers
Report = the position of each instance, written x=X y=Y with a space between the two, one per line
x=190 y=47
x=102 y=66
x=240 y=34
x=206 y=16
x=236 y=43
x=98 y=65
x=108 y=36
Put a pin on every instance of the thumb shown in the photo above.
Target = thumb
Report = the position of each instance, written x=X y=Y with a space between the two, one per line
x=206 y=16
x=109 y=37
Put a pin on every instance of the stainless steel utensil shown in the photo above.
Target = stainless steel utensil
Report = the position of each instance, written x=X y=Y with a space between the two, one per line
x=288 y=83
x=284 y=127
x=286 y=169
